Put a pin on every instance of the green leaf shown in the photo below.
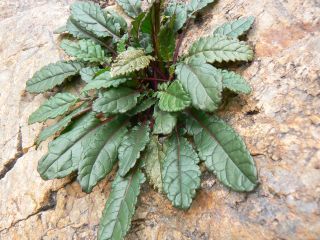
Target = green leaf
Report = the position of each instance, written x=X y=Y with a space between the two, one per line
x=180 y=172
x=143 y=106
x=52 y=75
x=164 y=122
x=235 y=82
x=235 y=28
x=90 y=16
x=75 y=28
x=100 y=152
x=153 y=158
x=196 y=5
x=66 y=150
x=118 y=100
x=88 y=74
x=120 y=207
x=53 y=107
x=174 y=98
x=59 y=126
x=167 y=40
x=180 y=11
x=130 y=61
x=203 y=82
x=84 y=50
x=131 y=146
x=104 y=80
x=223 y=151
x=218 y=48
x=131 y=7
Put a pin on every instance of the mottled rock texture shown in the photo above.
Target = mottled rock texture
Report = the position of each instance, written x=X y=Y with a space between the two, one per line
x=280 y=122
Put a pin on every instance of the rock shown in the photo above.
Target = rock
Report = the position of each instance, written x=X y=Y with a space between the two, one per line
x=279 y=122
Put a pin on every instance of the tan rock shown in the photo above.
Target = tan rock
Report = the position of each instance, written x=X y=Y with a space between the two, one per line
x=279 y=122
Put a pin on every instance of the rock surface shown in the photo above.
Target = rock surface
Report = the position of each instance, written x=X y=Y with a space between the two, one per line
x=280 y=123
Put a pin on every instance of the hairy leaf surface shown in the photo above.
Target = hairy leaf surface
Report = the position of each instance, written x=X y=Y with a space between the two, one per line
x=235 y=28
x=203 y=82
x=52 y=75
x=174 y=98
x=116 y=100
x=153 y=158
x=223 y=151
x=65 y=151
x=164 y=122
x=218 y=48
x=100 y=152
x=120 y=207
x=180 y=172
x=235 y=82
x=130 y=61
x=84 y=50
x=131 y=146
x=53 y=107
x=131 y=7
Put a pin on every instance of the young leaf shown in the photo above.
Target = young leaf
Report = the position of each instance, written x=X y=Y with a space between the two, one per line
x=116 y=100
x=131 y=7
x=235 y=28
x=153 y=158
x=130 y=61
x=84 y=50
x=218 y=48
x=196 y=5
x=223 y=151
x=131 y=146
x=104 y=80
x=59 y=126
x=53 y=107
x=120 y=207
x=180 y=11
x=203 y=82
x=180 y=172
x=100 y=153
x=164 y=122
x=95 y=20
x=235 y=82
x=52 y=75
x=167 y=40
x=88 y=73
x=65 y=151
x=174 y=98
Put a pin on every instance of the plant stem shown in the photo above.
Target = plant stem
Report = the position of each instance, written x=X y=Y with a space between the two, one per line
x=155 y=79
x=181 y=37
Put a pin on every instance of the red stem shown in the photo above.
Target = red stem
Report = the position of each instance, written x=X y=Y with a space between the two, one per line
x=181 y=37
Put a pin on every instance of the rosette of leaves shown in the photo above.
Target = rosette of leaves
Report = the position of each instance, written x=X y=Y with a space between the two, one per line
x=141 y=109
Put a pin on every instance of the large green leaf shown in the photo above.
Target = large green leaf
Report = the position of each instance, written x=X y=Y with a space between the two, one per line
x=88 y=73
x=65 y=151
x=53 y=107
x=219 y=48
x=235 y=82
x=180 y=172
x=60 y=125
x=133 y=143
x=174 y=98
x=90 y=16
x=196 y=5
x=131 y=7
x=84 y=50
x=75 y=28
x=153 y=158
x=104 y=80
x=100 y=153
x=120 y=207
x=116 y=100
x=52 y=75
x=130 y=61
x=164 y=122
x=235 y=28
x=203 y=82
x=223 y=151
x=180 y=12
x=167 y=40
